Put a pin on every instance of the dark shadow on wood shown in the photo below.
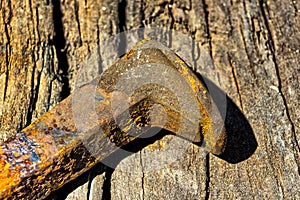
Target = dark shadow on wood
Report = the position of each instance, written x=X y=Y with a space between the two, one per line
x=241 y=141
x=106 y=194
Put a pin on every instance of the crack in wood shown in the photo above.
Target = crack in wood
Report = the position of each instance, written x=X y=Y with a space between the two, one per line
x=207 y=182
x=59 y=41
x=235 y=78
x=206 y=16
x=143 y=175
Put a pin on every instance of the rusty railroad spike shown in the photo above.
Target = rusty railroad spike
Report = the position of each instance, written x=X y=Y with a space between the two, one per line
x=100 y=117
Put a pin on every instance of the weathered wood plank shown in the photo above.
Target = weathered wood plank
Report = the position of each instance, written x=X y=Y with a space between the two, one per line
x=31 y=77
x=255 y=49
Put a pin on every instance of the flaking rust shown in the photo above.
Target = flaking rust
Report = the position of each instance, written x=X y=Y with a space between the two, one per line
x=53 y=150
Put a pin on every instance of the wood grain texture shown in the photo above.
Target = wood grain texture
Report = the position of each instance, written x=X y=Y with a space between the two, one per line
x=254 y=46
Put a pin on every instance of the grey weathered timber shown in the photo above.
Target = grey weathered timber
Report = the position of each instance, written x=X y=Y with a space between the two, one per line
x=254 y=46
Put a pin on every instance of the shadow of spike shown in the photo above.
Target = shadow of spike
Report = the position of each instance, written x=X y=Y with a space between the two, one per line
x=149 y=88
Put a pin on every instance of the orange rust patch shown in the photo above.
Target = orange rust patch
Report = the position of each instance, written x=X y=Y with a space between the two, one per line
x=129 y=54
x=158 y=145
x=9 y=178
x=39 y=178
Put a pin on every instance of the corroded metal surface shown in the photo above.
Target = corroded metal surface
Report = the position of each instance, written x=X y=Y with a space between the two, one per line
x=69 y=139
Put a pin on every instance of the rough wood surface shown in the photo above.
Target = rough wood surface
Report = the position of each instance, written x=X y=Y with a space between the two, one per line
x=255 y=46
